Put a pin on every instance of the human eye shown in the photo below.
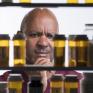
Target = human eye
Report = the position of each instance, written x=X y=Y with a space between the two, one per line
x=50 y=36
x=34 y=34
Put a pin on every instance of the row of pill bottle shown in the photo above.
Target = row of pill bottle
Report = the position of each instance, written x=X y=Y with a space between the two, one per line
x=19 y=49
x=64 y=84
x=20 y=1
x=78 y=50
x=15 y=84
x=68 y=1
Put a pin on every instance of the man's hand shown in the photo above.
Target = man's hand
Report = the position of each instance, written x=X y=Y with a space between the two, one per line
x=43 y=62
x=45 y=74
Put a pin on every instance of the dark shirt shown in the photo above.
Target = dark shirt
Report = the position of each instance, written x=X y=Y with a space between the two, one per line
x=26 y=79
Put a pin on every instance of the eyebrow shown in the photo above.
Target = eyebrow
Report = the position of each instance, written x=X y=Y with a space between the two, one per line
x=39 y=32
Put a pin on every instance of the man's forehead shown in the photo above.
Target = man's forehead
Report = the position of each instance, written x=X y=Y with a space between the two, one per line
x=42 y=20
x=35 y=16
x=42 y=26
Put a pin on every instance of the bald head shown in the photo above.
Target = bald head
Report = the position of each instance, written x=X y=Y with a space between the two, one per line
x=39 y=26
x=38 y=13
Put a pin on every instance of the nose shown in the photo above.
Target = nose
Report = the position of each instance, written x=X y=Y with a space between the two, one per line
x=43 y=41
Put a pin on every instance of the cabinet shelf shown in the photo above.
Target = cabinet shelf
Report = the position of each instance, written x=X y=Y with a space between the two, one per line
x=34 y=68
x=47 y=4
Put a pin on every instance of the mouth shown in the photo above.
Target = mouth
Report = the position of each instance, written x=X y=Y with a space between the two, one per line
x=42 y=54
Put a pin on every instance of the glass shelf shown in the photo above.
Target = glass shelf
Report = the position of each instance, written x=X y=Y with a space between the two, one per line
x=34 y=68
x=47 y=4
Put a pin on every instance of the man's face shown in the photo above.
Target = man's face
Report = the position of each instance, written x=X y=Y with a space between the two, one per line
x=39 y=35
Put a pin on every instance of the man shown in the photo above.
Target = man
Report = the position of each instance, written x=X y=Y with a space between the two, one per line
x=40 y=26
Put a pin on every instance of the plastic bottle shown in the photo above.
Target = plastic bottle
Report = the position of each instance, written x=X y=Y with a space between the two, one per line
x=4 y=50
x=59 y=50
x=15 y=82
x=57 y=84
x=35 y=85
x=19 y=49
